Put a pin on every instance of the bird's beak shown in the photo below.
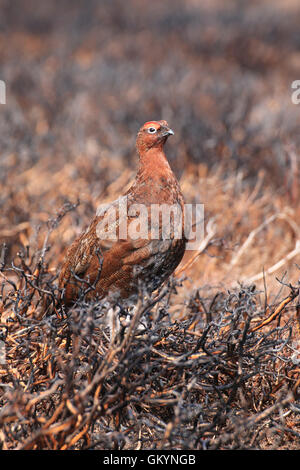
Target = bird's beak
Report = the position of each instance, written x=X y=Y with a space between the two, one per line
x=167 y=131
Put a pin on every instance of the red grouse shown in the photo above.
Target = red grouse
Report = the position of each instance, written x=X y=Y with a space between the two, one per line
x=130 y=243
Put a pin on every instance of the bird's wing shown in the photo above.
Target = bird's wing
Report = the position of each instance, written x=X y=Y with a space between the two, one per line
x=107 y=231
x=116 y=244
x=98 y=236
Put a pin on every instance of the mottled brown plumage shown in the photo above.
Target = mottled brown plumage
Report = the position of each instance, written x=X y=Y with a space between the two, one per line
x=105 y=266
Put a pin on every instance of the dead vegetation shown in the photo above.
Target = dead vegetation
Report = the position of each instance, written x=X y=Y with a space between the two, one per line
x=225 y=376
x=212 y=360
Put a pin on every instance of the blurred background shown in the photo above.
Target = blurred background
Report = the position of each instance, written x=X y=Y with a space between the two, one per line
x=82 y=77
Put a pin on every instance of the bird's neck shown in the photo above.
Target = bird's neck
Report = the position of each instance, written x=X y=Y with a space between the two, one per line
x=154 y=163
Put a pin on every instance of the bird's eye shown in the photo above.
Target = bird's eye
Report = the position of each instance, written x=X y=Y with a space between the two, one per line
x=152 y=130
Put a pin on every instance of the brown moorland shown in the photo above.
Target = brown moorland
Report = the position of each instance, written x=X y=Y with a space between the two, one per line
x=218 y=365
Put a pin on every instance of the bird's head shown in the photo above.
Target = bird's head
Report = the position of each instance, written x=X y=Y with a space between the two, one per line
x=153 y=134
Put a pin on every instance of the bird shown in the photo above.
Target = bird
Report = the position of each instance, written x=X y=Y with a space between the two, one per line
x=104 y=263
